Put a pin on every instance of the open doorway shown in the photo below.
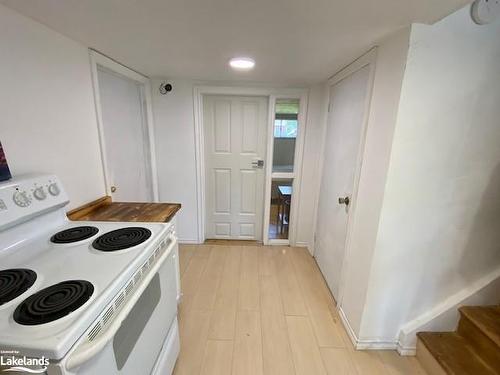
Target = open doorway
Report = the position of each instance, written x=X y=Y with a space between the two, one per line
x=285 y=131
x=281 y=201
x=284 y=172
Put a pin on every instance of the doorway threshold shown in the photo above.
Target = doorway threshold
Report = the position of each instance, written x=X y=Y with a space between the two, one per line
x=233 y=242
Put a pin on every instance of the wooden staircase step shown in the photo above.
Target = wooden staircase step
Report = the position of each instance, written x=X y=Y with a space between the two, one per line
x=480 y=325
x=485 y=320
x=455 y=354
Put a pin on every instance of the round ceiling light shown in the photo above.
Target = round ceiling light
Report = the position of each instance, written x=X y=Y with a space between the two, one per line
x=242 y=63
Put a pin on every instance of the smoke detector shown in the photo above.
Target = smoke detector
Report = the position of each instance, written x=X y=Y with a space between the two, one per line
x=485 y=11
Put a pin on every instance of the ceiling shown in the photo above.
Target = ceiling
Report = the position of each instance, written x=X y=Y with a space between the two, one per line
x=293 y=41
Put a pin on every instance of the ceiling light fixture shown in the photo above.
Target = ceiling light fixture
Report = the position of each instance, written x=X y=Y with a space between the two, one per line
x=242 y=63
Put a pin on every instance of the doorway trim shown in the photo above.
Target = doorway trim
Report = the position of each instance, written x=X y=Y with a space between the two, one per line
x=295 y=175
x=368 y=59
x=199 y=91
x=98 y=59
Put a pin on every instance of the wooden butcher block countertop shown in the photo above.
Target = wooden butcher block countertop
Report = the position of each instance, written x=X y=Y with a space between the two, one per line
x=104 y=209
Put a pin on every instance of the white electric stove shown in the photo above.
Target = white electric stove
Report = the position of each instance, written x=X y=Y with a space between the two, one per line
x=83 y=297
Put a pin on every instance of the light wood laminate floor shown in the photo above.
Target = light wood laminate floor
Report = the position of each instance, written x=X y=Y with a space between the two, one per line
x=261 y=310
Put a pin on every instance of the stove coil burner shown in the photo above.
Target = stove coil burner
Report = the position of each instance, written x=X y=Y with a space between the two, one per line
x=14 y=282
x=74 y=234
x=121 y=239
x=54 y=302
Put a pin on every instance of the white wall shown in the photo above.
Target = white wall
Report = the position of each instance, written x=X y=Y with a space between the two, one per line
x=175 y=150
x=175 y=153
x=46 y=102
x=440 y=224
x=315 y=127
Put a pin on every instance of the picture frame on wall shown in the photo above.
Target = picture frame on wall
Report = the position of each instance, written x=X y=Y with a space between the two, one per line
x=4 y=167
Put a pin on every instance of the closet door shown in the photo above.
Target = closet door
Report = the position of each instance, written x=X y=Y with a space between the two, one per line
x=342 y=147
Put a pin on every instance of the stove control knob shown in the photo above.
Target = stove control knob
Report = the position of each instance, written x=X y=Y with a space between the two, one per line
x=54 y=189
x=39 y=193
x=21 y=198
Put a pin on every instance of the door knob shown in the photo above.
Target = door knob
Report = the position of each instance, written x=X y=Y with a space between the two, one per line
x=113 y=189
x=344 y=200
x=258 y=163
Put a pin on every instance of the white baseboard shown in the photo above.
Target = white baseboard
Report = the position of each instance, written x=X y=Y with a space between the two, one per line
x=406 y=351
x=444 y=316
x=376 y=345
x=364 y=344
x=187 y=241
x=301 y=244
x=348 y=328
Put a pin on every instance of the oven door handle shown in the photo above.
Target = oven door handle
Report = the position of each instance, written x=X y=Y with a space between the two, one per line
x=86 y=350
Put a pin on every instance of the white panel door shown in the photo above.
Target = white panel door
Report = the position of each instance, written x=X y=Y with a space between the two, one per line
x=235 y=139
x=342 y=146
x=125 y=137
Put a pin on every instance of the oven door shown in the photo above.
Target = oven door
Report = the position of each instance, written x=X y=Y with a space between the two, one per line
x=132 y=346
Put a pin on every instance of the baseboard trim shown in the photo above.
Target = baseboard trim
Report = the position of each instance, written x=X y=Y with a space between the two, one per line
x=376 y=345
x=365 y=344
x=347 y=326
x=184 y=241
x=406 y=351
x=301 y=244
x=189 y=241
x=444 y=316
